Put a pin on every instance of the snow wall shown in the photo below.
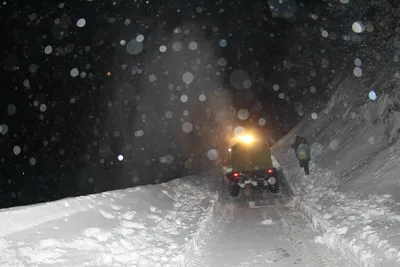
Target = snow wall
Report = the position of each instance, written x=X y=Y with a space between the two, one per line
x=153 y=225
x=353 y=191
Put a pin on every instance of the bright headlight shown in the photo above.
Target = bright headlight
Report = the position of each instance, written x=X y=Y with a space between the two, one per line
x=246 y=138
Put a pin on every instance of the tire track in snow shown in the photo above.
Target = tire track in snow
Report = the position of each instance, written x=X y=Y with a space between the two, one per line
x=314 y=255
x=204 y=255
x=243 y=236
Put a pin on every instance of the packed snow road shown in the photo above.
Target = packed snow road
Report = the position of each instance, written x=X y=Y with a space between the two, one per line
x=271 y=233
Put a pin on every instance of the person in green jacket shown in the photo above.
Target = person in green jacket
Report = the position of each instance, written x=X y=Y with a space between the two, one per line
x=303 y=153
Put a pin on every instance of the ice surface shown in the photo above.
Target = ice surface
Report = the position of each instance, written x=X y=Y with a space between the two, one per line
x=352 y=193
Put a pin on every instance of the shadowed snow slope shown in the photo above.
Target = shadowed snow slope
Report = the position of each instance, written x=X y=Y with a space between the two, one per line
x=352 y=193
x=152 y=225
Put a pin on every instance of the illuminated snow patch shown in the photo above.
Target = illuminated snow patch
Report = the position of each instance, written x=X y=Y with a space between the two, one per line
x=152 y=78
x=243 y=114
x=357 y=72
x=372 y=95
x=11 y=109
x=223 y=43
x=239 y=131
x=371 y=140
x=134 y=47
x=74 y=72
x=222 y=62
x=184 y=98
x=193 y=46
x=139 y=133
x=43 y=107
x=187 y=77
x=187 y=127
x=17 y=150
x=357 y=27
x=48 y=49
x=314 y=115
x=247 y=84
x=267 y=222
x=81 y=22
x=177 y=46
x=3 y=129
x=140 y=38
x=212 y=154
x=168 y=114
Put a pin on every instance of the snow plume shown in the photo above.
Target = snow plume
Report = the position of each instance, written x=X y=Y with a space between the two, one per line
x=170 y=119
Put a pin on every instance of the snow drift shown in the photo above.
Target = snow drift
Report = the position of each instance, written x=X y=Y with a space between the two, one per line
x=352 y=193
x=154 y=225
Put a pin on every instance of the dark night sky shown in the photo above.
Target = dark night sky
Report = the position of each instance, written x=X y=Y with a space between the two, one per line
x=70 y=130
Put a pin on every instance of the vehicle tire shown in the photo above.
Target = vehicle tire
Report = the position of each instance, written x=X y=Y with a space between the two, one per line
x=274 y=189
x=234 y=190
x=306 y=168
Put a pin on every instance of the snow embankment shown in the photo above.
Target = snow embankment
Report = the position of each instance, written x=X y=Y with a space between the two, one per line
x=353 y=191
x=154 y=225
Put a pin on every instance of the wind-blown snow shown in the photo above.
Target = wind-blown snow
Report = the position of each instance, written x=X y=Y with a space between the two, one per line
x=152 y=225
x=352 y=193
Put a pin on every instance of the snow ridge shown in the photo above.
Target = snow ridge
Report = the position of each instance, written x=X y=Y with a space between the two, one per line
x=116 y=227
x=204 y=228
x=335 y=240
x=21 y=218
x=207 y=222
x=356 y=249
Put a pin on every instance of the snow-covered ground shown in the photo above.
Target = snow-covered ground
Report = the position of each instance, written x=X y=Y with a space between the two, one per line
x=353 y=192
x=272 y=233
x=154 y=225
x=186 y=222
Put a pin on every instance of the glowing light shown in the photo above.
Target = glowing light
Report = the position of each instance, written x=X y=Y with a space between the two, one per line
x=108 y=73
x=246 y=138
x=120 y=158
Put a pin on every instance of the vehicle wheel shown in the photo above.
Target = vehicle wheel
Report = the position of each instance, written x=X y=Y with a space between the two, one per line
x=274 y=189
x=234 y=190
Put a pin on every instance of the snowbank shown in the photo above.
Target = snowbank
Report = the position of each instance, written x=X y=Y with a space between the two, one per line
x=353 y=193
x=154 y=225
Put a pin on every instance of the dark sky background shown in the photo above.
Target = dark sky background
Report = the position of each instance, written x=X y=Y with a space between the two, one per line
x=62 y=129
